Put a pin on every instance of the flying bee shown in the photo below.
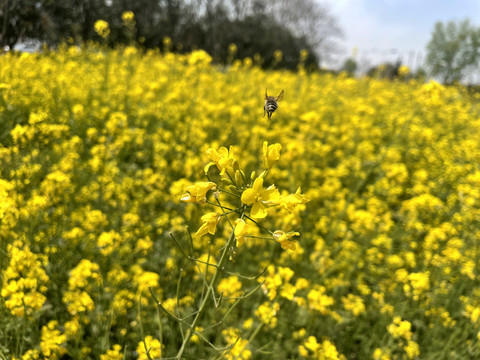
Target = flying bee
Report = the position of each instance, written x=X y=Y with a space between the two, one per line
x=271 y=104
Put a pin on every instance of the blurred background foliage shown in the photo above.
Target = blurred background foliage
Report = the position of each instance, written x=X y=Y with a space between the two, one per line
x=271 y=32
x=257 y=27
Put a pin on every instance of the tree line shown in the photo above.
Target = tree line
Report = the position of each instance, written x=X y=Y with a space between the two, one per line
x=257 y=27
x=272 y=31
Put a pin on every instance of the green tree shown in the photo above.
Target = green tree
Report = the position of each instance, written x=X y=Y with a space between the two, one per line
x=20 y=19
x=453 y=50
x=350 y=66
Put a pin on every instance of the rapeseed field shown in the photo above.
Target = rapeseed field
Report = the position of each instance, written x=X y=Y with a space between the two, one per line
x=148 y=210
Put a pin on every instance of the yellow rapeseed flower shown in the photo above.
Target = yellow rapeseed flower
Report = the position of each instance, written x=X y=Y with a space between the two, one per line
x=209 y=225
x=259 y=198
x=223 y=159
x=151 y=345
x=113 y=354
x=198 y=192
x=128 y=17
x=241 y=231
x=271 y=154
x=101 y=28
x=285 y=239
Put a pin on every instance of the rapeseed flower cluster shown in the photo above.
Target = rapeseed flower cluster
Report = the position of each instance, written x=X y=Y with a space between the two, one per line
x=255 y=199
x=24 y=280
x=381 y=262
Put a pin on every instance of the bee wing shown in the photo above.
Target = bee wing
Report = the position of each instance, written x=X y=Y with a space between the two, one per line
x=280 y=96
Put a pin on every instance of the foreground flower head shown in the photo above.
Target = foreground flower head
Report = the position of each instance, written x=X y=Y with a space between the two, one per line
x=259 y=198
x=223 y=159
x=209 y=225
x=289 y=202
x=271 y=154
x=285 y=239
x=198 y=191
x=241 y=230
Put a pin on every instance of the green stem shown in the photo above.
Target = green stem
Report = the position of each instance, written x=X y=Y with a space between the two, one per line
x=221 y=206
x=228 y=192
x=259 y=225
x=210 y=289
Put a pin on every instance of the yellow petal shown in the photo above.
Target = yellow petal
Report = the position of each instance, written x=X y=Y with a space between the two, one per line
x=209 y=217
x=187 y=198
x=213 y=154
x=208 y=167
x=202 y=231
x=212 y=227
x=240 y=227
x=288 y=245
x=248 y=196
x=270 y=194
x=258 y=185
x=259 y=211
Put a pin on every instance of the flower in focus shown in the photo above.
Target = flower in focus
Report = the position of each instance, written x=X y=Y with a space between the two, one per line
x=198 y=192
x=101 y=28
x=289 y=202
x=285 y=239
x=209 y=225
x=259 y=198
x=271 y=154
x=241 y=230
x=223 y=159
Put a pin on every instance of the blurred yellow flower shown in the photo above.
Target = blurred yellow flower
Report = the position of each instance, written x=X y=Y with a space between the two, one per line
x=403 y=70
x=113 y=354
x=101 y=28
x=150 y=344
x=128 y=17
x=267 y=312
x=53 y=342
x=230 y=287
x=400 y=328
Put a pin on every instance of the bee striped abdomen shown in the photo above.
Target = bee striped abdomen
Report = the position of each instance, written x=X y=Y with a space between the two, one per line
x=271 y=104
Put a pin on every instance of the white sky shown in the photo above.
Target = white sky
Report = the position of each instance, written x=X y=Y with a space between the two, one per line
x=389 y=30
